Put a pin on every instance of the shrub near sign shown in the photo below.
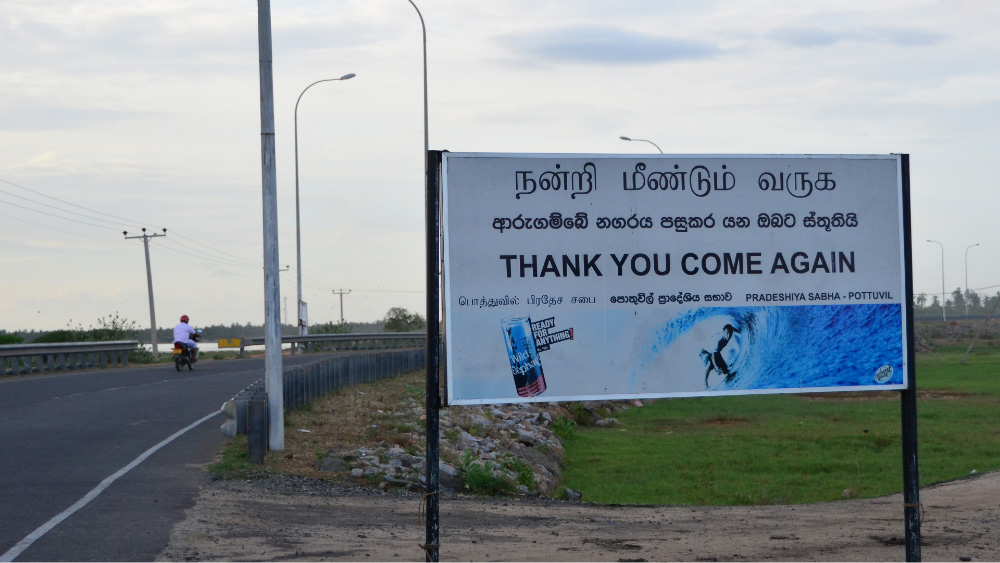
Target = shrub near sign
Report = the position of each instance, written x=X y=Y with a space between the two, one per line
x=580 y=277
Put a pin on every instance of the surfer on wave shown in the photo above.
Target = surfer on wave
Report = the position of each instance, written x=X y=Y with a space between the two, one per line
x=715 y=360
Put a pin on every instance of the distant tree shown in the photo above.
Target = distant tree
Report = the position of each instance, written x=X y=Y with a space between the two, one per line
x=990 y=301
x=7 y=338
x=331 y=328
x=399 y=319
x=59 y=336
x=957 y=299
x=922 y=300
x=975 y=302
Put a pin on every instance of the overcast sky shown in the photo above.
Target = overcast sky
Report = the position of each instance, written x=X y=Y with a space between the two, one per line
x=118 y=115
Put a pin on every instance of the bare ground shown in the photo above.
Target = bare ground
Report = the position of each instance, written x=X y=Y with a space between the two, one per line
x=300 y=519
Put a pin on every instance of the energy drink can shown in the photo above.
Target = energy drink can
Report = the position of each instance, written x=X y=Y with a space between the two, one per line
x=529 y=380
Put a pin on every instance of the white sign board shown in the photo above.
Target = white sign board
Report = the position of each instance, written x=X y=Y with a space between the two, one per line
x=584 y=277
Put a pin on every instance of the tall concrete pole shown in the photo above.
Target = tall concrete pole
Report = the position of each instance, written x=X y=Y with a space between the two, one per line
x=149 y=284
x=272 y=293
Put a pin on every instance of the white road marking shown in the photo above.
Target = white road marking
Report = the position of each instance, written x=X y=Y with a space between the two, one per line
x=31 y=538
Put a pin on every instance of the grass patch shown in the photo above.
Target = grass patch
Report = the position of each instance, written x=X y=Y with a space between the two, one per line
x=233 y=463
x=777 y=449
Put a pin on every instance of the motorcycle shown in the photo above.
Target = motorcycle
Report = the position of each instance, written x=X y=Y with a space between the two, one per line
x=183 y=354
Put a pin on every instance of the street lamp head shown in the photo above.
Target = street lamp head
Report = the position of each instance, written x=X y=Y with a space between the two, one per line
x=624 y=138
x=348 y=76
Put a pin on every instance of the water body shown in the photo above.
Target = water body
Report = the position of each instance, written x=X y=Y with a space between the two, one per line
x=778 y=347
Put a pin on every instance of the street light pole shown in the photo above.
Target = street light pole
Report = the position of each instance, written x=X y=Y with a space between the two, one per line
x=624 y=138
x=303 y=324
x=269 y=198
x=433 y=431
x=967 y=278
x=944 y=315
x=149 y=284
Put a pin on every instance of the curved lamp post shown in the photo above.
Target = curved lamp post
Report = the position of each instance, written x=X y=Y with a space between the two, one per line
x=624 y=138
x=944 y=316
x=423 y=29
x=967 y=278
x=303 y=328
x=433 y=430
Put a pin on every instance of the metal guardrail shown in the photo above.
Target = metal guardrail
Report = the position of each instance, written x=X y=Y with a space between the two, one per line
x=951 y=317
x=19 y=359
x=343 y=342
x=246 y=413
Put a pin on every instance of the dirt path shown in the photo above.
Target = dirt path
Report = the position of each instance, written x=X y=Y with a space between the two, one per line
x=290 y=519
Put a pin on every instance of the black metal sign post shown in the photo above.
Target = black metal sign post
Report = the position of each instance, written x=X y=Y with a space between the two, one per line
x=911 y=481
x=433 y=239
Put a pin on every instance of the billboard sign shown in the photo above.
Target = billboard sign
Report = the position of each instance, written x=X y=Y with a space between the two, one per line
x=585 y=277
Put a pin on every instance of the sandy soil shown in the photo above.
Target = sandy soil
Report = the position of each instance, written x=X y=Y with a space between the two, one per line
x=295 y=519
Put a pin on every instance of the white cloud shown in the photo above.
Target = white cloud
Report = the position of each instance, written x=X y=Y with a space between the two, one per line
x=605 y=45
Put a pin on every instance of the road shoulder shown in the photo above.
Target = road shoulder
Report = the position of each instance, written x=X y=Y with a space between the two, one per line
x=292 y=518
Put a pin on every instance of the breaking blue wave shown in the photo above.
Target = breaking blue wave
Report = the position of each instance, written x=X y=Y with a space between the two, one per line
x=798 y=346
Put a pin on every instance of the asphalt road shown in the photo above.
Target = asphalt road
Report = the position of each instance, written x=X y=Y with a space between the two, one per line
x=62 y=435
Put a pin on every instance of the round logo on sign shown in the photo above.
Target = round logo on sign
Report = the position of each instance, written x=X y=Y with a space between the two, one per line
x=883 y=374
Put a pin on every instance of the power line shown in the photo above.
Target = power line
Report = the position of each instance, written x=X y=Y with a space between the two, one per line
x=65 y=202
x=210 y=262
x=53 y=228
x=225 y=256
x=390 y=291
x=228 y=255
x=59 y=217
x=233 y=262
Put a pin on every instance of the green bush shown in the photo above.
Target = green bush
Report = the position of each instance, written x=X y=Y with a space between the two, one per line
x=525 y=476
x=109 y=329
x=480 y=479
x=6 y=338
x=563 y=427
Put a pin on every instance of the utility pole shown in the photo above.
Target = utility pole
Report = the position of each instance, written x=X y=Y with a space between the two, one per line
x=149 y=283
x=341 y=293
x=269 y=193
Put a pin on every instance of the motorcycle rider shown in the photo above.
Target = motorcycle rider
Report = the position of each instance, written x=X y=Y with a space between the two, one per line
x=183 y=333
